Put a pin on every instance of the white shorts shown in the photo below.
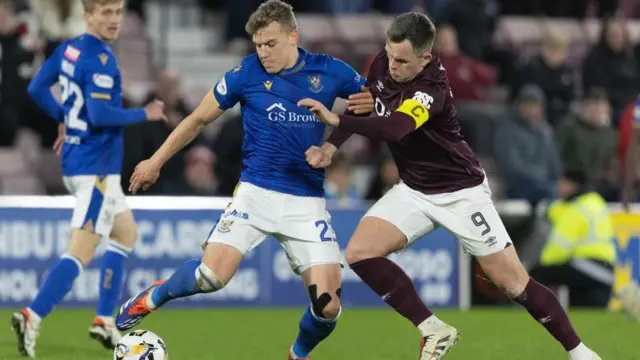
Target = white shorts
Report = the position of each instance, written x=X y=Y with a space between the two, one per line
x=302 y=225
x=98 y=200
x=469 y=214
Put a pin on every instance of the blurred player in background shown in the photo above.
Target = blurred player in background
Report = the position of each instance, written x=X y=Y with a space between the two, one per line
x=442 y=185
x=90 y=140
x=279 y=193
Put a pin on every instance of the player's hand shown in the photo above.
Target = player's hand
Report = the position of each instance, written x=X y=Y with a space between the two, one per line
x=145 y=175
x=155 y=111
x=57 y=145
x=320 y=111
x=317 y=157
x=361 y=103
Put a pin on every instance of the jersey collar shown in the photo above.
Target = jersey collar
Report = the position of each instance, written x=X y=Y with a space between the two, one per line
x=302 y=56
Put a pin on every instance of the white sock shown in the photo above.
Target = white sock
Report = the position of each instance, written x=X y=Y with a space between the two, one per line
x=580 y=352
x=150 y=303
x=428 y=326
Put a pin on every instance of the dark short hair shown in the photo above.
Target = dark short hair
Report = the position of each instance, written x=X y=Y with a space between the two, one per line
x=415 y=27
x=272 y=11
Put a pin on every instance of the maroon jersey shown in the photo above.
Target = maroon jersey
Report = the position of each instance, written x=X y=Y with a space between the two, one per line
x=432 y=156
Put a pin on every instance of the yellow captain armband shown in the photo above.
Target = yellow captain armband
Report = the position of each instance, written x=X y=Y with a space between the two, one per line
x=102 y=96
x=416 y=110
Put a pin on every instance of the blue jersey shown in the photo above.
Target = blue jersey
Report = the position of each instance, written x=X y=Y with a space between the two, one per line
x=91 y=108
x=277 y=131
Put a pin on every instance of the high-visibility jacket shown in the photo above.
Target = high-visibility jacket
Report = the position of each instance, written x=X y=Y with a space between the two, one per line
x=581 y=228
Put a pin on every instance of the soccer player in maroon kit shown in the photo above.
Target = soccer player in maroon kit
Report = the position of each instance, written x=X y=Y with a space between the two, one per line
x=442 y=185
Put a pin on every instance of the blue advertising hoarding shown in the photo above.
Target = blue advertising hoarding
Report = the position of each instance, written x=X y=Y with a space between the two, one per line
x=34 y=233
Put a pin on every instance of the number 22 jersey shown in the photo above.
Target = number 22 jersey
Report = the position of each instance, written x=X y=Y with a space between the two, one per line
x=91 y=105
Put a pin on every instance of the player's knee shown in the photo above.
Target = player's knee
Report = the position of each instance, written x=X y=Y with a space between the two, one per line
x=126 y=239
x=510 y=281
x=83 y=245
x=326 y=305
x=207 y=280
x=356 y=252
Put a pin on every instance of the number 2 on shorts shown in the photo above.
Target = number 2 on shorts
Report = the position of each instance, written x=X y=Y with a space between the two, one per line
x=323 y=232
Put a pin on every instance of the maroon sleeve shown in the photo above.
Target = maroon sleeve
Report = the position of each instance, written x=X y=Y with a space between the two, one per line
x=391 y=128
x=340 y=136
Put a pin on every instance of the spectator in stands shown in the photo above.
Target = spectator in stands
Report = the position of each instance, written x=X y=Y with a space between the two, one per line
x=60 y=20
x=526 y=151
x=199 y=173
x=228 y=150
x=168 y=88
x=17 y=52
x=338 y=184
x=550 y=71
x=586 y=141
x=578 y=9
x=386 y=176
x=475 y=21
x=613 y=66
x=142 y=140
x=470 y=79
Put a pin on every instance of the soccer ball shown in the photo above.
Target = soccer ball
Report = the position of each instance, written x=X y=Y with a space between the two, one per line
x=140 y=345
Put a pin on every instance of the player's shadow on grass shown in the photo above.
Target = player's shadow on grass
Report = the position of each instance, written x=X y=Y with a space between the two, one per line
x=8 y=351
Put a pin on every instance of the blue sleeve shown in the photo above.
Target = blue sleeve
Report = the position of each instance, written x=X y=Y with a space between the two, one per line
x=40 y=87
x=99 y=82
x=350 y=81
x=228 y=91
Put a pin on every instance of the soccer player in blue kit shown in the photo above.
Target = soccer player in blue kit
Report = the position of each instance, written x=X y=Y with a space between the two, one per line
x=92 y=120
x=279 y=193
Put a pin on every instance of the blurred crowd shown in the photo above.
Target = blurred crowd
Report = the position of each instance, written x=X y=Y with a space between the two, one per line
x=557 y=113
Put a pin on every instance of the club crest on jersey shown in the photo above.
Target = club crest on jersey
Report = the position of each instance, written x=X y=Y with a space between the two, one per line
x=316 y=84
x=268 y=84
x=71 y=53
x=103 y=58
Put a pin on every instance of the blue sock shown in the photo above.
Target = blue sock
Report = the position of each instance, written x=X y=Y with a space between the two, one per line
x=111 y=277
x=312 y=331
x=58 y=283
x=182 y=283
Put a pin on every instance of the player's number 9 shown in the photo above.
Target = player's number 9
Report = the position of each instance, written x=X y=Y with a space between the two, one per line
x=71 y=118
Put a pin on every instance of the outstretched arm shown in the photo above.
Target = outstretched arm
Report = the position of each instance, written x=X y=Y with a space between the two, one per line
x=188 y=129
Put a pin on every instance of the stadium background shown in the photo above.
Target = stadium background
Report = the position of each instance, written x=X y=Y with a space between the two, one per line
x=175 y=50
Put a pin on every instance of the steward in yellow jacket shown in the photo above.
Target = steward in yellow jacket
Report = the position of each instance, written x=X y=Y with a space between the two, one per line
x=580 y=252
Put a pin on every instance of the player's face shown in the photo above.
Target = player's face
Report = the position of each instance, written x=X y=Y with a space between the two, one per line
x=105 y=20
x=276 y=47
x=404 y=63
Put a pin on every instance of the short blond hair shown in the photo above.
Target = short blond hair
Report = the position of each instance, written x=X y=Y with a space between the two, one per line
x=90 y=5
x=272 y=11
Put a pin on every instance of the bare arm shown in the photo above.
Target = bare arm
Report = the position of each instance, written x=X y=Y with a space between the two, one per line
x=188 y=129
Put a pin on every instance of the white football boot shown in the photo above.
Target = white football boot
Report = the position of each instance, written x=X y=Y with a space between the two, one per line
x=437 y=344
x=27 y=330
x=105 y=333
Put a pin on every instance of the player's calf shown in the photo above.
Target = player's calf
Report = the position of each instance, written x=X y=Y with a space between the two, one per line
x=505 y=270
x=321 y=317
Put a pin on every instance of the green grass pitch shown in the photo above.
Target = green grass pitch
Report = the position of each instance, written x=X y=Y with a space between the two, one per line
x=235 y=334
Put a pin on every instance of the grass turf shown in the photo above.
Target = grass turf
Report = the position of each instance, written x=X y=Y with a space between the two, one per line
x=235 y=334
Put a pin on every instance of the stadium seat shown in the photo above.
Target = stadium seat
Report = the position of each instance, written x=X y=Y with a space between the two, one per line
x=315 y=28
x=13 y=163
x=21 y=185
